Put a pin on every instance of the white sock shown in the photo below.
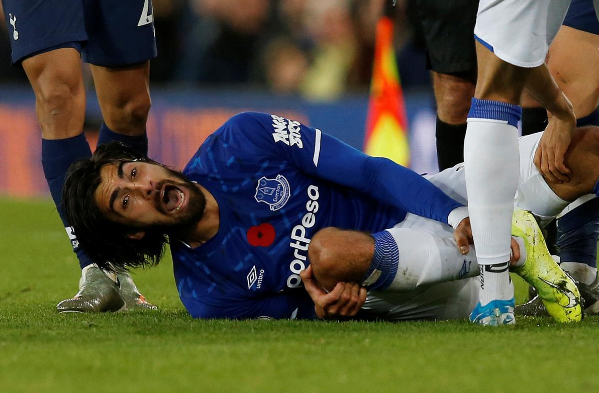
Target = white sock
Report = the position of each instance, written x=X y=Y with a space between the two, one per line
x=426 y=259
x=495 y=283
x=492 y=165
x=580 y=271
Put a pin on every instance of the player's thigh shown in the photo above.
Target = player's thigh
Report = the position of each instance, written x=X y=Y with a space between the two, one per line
x=35 y=26
x=452 y=181
x=533 y=22
x=422 y=224
x=120 y=32
x=573 y=61
x=124 y=96
x=534 y=194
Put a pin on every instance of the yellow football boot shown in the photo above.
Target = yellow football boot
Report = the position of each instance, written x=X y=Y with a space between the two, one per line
x=556 y=289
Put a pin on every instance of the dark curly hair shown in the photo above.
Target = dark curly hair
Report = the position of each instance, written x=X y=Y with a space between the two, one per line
x=107 y=243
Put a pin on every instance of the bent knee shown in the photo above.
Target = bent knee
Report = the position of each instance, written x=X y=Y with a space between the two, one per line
x=58 y=97
x=453 y=95
x=320 y=252
x=128 y=116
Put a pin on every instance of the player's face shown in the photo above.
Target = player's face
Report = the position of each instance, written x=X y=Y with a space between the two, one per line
x=145 y=195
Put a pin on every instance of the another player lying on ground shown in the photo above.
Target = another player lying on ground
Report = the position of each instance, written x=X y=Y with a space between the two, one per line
x=270 y=197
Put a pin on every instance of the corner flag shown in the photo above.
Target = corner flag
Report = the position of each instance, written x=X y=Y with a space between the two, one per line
x=386 y=125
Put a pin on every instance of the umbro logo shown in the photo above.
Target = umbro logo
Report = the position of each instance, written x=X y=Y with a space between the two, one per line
x=254 y=278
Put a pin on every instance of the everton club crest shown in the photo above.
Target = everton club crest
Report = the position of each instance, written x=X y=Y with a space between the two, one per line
x=274 y=192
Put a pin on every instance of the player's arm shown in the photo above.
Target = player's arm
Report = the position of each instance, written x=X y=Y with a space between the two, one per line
x=324 y=156
x=385 y=181
x=549 y=157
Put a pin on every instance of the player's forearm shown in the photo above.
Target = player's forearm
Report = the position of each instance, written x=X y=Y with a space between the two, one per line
x=543 y=88
x=404 y=188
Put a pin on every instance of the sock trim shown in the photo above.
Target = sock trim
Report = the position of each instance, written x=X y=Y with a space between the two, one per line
x=495 y=110
x=385 y=262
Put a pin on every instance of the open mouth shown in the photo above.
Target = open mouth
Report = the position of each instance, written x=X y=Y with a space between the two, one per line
x=172 y=198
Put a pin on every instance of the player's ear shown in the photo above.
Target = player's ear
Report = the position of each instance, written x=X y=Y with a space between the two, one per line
x=136 y=235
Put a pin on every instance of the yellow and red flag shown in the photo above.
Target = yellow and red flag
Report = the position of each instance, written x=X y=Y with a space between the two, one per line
x=386 y=125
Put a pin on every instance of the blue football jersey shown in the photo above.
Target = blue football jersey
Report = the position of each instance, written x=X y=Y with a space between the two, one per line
x=277 y=182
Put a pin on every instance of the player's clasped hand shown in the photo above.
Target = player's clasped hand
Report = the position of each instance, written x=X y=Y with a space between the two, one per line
x=345 y=300
x=553 y=145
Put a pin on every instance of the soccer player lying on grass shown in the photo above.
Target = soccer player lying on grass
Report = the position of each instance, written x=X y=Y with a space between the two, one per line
x=266 y=197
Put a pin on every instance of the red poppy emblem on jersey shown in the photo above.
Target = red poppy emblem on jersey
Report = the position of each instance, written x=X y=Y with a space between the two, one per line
x=262 y=235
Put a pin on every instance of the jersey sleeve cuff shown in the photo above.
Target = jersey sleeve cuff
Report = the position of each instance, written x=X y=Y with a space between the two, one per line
x=457 y=215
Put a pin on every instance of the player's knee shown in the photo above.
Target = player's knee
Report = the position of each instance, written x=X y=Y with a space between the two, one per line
x=453 y=99
x=129 y=117
x=321 y=255
x=56 y=98
x=453 y=108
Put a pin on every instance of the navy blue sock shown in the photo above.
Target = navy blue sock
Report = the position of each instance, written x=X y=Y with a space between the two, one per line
x=139 y=143
x=385 y=262
x=577 y=234
x=57 y=157
x=591 y=119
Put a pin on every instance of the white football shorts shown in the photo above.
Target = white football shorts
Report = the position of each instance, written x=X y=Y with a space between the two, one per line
x=520 y=31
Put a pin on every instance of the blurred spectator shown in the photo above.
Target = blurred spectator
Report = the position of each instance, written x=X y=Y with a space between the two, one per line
x=332 y=28
x=320 y=49
x=221 y=40
x=285 y=65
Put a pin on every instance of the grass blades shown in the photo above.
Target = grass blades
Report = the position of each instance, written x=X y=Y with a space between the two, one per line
x=167 y=351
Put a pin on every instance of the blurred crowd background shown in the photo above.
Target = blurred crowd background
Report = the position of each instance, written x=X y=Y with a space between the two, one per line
x=314 y=49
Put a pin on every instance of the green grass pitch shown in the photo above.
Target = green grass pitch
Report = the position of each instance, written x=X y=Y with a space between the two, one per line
x=167 y=351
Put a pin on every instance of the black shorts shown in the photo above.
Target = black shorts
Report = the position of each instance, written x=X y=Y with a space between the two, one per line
x=107 y=32
x=448 y=30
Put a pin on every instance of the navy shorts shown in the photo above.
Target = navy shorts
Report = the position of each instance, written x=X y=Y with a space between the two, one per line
x=109 y=32
x=581 y=16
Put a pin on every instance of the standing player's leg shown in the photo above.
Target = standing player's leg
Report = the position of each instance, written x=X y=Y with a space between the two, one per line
x=56 y=79
x=492 y=171
x=491 y=147
x=124 y=97
x=121 y=43
x=47 y=38
x=447 y=31
x=453 y=93
x=120 y=47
